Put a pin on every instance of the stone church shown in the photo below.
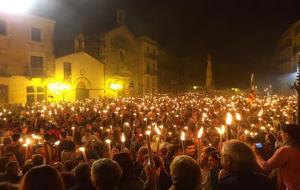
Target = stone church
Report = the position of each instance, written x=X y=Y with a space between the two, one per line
x=130 y=61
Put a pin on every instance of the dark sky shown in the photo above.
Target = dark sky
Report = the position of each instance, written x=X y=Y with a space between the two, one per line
x=240 y=34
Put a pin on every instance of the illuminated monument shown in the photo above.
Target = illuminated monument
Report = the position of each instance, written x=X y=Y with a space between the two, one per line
x=209 y=77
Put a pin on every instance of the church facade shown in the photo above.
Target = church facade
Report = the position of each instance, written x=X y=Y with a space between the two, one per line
x=130 y=61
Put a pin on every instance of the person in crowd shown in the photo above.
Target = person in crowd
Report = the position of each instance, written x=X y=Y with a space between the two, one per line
x=11 y=174
x=49 y=151
x=128 y=179
x=82 y=174
x=16 y=148
x=189 y=148
x=59 y=167
x=238 y=159
x=205 y=169
x=214 y=164
x=42 y=178
x=68 y=179
x=185 y=173
x=37 y=160
x=106 y=174
x=286 y=158
x=140 y=160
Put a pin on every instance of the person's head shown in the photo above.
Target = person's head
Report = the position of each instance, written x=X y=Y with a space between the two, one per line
x=141 y=155
x=12 y=167
x=237 y=156
x=68 y=179
x=189 y=148
x=82 y=173
x=203 y=161
x=105 y=174
x=185 y=172
x=63 y=135
x=126 y=163
x=27 y=167
x=291 y=133
x=24 y=129
x=47 y=137
x=37 y=159
x=15 y=137
x=42 y=177
x=59 y=167
x=214 y=160
x=173 y=150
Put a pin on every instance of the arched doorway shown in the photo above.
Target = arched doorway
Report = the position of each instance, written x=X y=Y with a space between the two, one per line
x=81 y=92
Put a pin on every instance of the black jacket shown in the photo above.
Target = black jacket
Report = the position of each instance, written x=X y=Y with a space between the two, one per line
x=245 y=180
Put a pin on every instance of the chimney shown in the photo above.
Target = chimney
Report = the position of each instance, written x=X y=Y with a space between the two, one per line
x=120 y=16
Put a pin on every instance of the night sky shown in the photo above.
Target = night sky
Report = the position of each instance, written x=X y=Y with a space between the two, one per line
x=241 y=35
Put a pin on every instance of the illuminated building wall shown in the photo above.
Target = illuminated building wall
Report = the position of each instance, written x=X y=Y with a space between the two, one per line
x=288 y=49
x=83 y=76
x=26 y=57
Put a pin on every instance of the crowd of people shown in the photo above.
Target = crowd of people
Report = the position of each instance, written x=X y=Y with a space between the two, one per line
x=194 y=141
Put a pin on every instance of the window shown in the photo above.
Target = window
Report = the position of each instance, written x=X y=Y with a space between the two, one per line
x=3 y=27
x=40 y=95
x=35 y=94
x=36 y=62
x=67 y=71
x=30 y=94
x=36 y=34
x=37 y=66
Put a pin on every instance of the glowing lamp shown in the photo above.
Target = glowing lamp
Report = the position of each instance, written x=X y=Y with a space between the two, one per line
x=16 y=6
x=115 y=86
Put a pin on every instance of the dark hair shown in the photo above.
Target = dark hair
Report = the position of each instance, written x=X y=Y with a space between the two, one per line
x=126 y=163
x=47 y=137
x=68 y=179
x=37 y=159
x=26 y=168
x=209 y=149
x=15 y=137
x=293 y=132
x=188 y=143
x=10 y=166
x=82 y=173
x=215 y=155
x=42 y=177
x=63 y=134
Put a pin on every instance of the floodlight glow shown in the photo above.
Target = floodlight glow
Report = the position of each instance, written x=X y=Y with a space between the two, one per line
x=16 y=6
x=115 y=86
x=58 y=87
